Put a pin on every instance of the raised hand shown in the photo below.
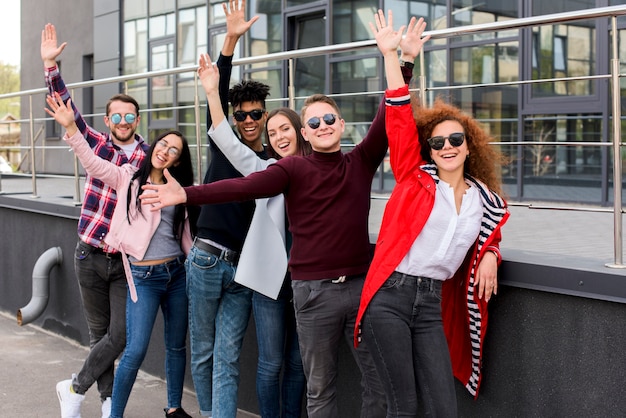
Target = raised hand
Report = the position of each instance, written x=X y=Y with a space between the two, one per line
x=61 y=112
x=209 y=74
x=236 y=23
x=387 y=39
x=413 y=41
x=162 y=195
x=50 y=49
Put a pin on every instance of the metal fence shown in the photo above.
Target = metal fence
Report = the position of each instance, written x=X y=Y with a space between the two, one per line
x=290 y=56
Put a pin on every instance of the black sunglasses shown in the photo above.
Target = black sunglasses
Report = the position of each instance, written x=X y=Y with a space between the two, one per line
x=437 y=142
x=255 y=114
x=329 y=119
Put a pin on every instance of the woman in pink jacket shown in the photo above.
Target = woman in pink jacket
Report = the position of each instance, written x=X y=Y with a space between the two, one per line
x=423 y=306
x=153 y=245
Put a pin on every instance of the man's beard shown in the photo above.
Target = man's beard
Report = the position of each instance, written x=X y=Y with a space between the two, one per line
x=131 y=136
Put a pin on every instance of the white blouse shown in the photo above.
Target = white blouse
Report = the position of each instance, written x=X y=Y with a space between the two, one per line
x=441 y=247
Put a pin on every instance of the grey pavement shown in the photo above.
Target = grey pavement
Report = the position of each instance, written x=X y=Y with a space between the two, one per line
x=33 y=360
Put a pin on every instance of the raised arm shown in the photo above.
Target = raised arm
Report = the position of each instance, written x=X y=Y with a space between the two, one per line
x=388 y=41
x=241 y=157
x=236 y=24
x=266 y=183
x=404 y=149
x=50 y=50
x=95 y=166
x=374 y=145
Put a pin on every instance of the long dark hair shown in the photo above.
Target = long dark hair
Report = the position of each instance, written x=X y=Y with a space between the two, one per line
x=304 y=146
x=182 y=172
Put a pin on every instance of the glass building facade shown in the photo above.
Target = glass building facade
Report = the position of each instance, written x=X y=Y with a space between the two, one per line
x=162 y=34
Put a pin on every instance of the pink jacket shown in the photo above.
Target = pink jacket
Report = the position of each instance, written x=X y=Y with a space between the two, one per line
x=134 y=238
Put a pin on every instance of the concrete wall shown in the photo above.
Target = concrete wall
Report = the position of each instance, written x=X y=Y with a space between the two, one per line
x=546 y=353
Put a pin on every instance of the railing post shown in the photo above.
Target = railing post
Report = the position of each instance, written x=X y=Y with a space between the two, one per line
x=196 y=108
x=617 y=158
x=31 y=118
x=291 y=90
x=422 y=79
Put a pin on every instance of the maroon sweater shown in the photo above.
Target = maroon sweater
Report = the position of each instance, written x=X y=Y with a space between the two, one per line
x=327 y=199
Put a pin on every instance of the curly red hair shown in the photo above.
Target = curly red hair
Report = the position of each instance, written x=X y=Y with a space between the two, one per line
x=484 y=161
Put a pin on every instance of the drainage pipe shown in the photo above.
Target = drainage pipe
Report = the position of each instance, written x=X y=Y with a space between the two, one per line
x=41 y=286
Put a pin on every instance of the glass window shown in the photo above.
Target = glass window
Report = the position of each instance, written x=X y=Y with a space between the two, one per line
x=267 y=33
x=478 y=13
x=162 y=25
x=158 y=7
x=291 y=3
x=216 y=16
x=190 y=3
x=310 y=73
x=191 y=36
x=135 y=47
x=351 y=21
x=162 y=92
x=563 y=51
x=551 y=168
x=357 y=76
x=135 y=9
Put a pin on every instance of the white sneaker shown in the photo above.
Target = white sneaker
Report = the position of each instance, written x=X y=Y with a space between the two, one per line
x=70 y=401
x=106 y=408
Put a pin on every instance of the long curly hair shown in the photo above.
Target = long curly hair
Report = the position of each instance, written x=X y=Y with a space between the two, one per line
x=485 y=160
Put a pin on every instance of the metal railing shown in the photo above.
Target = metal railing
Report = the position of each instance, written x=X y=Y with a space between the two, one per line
x=290 y=56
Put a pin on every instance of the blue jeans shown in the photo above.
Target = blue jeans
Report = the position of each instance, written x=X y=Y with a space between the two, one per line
x=219 y=311
x=102 y=285
x=277 y=341
x=163 y=286
x=403 y=328
x=325 y=313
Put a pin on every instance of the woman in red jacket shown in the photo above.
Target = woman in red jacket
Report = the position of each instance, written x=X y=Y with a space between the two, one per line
x=437 y=253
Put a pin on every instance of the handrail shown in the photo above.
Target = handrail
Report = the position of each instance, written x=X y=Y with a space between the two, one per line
x=519 y=23
x=289 y=56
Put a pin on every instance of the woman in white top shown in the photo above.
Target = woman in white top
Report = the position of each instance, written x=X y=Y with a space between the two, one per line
x=263 y=262
x=435 y=264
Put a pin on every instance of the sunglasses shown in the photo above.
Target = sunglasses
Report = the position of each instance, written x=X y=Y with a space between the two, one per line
x=116 y=118
x=437 y=142
x=255 y=114
x=172 y=151
x=329 y=119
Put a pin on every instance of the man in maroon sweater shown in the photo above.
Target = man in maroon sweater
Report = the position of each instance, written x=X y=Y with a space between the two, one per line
x=327 y=197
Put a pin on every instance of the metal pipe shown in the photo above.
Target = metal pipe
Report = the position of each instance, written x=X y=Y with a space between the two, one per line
x=617 y=153
x=41 y=286
x=199 y=134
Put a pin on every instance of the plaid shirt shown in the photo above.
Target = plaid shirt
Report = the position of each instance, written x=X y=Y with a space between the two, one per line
x=99 y=199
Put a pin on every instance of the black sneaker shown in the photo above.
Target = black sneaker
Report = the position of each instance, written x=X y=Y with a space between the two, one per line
x=178 y=413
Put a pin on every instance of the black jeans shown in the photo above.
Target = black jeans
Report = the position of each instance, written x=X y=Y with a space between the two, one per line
x=102 y=285
x=326 y=313
x=404 y=332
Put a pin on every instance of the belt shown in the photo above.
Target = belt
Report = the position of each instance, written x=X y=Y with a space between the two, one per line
x=112 y=256
x=226 y=255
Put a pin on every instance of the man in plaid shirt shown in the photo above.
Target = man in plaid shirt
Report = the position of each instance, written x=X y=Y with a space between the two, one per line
x=98 y=267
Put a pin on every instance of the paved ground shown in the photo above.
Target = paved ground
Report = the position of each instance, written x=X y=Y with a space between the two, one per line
x=33 y=360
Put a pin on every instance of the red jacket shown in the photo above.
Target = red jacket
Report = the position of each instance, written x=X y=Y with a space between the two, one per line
x=409 y=206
